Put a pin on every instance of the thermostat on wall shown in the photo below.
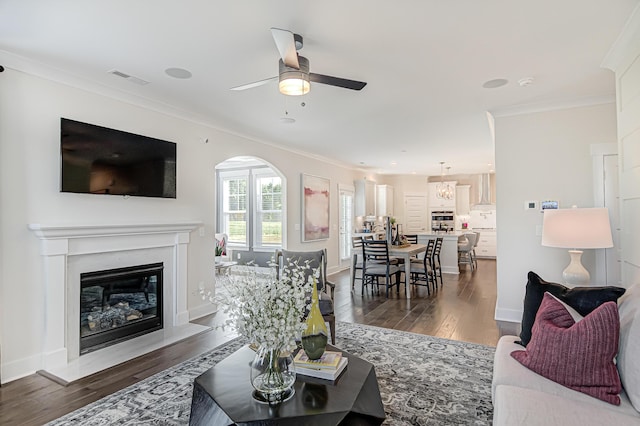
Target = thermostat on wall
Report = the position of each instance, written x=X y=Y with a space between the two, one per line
x=530 y=205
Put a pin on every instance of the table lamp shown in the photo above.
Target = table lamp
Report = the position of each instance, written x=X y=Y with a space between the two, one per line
x=576 y=229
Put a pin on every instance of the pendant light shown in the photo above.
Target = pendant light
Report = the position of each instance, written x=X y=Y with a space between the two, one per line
x=444 y=191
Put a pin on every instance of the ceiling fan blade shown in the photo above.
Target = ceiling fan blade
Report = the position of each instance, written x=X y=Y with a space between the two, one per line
x=286 y=46
x=254 y=84
x=337 y=81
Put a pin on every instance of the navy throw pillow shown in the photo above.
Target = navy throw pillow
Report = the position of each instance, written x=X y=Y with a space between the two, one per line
x=582 y=299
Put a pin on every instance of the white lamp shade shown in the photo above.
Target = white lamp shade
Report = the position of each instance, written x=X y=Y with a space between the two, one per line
x=577 y=228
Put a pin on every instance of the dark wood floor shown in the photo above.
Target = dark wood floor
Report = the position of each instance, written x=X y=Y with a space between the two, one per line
x=462 y=310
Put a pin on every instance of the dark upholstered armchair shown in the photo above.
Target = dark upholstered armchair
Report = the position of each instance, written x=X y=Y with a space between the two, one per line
x=317 y=259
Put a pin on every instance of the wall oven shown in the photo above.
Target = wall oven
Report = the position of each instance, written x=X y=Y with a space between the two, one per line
x=442 y=220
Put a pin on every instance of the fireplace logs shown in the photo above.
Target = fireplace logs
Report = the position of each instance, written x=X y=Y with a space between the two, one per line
x=111 y=316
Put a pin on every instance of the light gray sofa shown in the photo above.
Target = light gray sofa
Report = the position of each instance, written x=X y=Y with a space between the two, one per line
x=522 y=397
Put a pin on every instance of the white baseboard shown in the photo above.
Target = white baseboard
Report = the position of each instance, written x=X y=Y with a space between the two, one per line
x=202 y=311
x=508 y=315
x=21 y=368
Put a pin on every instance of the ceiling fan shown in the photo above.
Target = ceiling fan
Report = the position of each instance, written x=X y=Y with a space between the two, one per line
x=294 y=77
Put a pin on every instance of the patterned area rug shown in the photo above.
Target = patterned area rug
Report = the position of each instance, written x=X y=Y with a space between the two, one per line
x=423 y=380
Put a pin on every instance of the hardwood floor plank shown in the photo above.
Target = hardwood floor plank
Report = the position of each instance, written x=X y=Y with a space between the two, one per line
x=462 y=309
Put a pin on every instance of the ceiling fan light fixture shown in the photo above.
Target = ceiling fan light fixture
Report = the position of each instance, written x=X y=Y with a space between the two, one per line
x=294 y=82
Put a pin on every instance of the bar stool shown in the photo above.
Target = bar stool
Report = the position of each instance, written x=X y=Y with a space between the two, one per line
x=473 y=251
x=465 y=249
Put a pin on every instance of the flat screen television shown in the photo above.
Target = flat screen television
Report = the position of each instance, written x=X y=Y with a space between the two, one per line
x=99 y=160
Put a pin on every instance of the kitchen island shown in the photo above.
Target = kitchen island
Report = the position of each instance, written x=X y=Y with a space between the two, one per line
x=449 y=251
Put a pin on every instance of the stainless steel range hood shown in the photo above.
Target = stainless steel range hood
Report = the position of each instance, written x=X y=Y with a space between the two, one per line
x=484 y=193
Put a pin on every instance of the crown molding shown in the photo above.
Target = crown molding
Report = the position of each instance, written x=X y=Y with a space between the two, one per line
x=553 y=106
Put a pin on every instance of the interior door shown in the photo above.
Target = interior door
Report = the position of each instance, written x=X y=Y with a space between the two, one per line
x=346 y=221
x=415 y=213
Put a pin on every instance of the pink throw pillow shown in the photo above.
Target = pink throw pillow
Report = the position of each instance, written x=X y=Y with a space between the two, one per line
x=576 y=355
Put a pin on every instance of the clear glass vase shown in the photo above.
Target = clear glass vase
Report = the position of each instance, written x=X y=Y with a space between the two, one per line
x=315 y=335
x=272 y=375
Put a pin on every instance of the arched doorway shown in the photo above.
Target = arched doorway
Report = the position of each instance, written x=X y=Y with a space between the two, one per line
x=251 y=205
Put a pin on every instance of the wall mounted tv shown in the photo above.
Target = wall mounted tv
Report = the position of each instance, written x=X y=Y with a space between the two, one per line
x=98 y=160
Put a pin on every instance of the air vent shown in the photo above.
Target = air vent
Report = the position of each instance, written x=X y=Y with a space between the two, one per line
x=128 y=77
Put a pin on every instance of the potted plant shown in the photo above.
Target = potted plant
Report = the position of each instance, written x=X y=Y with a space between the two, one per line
x=268 y=310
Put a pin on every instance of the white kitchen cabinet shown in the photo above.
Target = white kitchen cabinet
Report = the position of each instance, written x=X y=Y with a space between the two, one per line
x=462 y=199
x=384 y=200
x=435 y=202
x=365 y=200
x=487 y=246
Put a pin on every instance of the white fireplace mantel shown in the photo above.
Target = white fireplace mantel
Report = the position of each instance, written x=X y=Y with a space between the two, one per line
x=68 y=250
x=79 y=231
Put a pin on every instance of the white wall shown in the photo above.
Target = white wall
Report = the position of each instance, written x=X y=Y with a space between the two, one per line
x=541 y=156
x=30 y=111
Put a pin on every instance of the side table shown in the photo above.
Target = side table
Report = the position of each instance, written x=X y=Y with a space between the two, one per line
x=223 y=396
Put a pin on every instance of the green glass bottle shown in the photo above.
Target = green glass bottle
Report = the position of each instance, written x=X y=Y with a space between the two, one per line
x=314 y=337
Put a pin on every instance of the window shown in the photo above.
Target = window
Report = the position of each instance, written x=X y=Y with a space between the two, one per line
x=235 y=217
x=268 y=216
x=250 y=207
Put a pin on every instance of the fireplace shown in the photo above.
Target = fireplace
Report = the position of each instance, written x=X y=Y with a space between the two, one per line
x=119 y=304
x=68 y=251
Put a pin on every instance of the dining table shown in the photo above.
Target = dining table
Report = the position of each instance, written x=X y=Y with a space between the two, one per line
x=406 y=252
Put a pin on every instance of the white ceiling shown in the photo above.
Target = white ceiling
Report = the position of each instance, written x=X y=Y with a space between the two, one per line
x=424 y=61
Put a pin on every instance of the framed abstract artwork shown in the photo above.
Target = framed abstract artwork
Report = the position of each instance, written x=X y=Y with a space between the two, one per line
x=315 y=208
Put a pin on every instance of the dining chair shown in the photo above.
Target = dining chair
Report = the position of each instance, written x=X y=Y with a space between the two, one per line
x=427 y=253
x=412 y=238
x=317 y=259
x=422 y=272
x=435 y=260
x=356 y=257
x=376 y=264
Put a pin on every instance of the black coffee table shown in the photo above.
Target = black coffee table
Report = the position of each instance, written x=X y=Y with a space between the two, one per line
x=222 y=396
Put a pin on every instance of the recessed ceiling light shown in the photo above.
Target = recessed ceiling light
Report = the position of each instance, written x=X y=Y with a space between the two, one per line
x=493 y=84
x=178 y=73
x=287 y=120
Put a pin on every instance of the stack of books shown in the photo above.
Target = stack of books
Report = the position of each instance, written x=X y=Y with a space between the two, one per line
x=328 y=367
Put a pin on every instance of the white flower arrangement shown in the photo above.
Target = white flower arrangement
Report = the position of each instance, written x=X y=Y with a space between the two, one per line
x=266 y=310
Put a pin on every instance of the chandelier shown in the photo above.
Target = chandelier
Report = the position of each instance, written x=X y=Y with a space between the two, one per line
x=444 y=191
